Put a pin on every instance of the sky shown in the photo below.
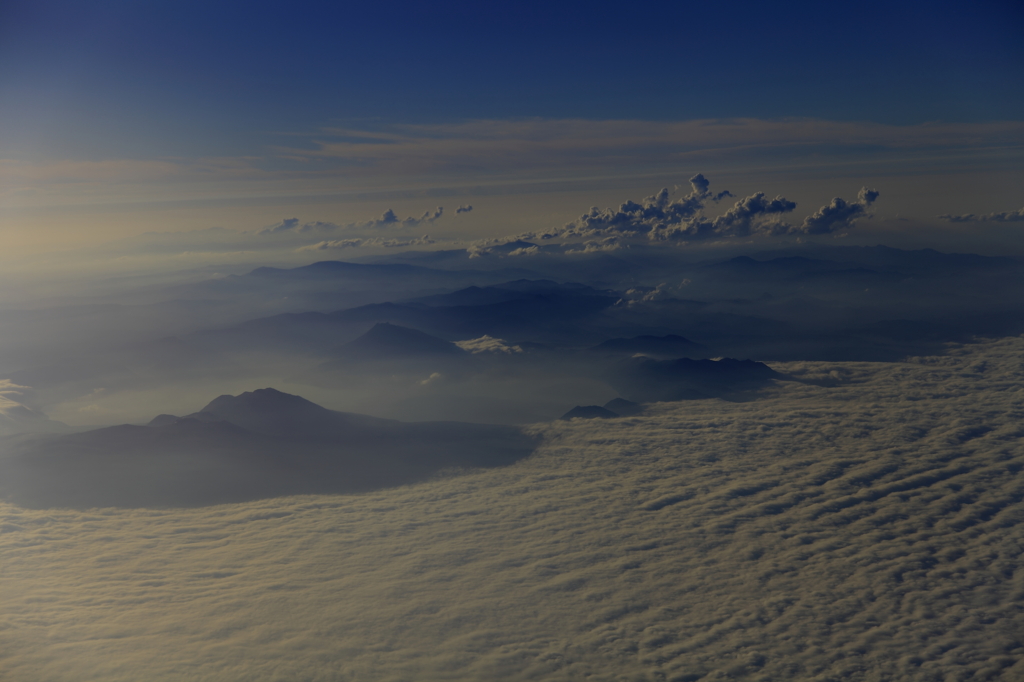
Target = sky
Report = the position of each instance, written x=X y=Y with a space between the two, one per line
x=119 y=118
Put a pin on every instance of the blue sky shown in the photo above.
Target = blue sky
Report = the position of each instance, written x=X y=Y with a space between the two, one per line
x=200 y=78
x=170 y=83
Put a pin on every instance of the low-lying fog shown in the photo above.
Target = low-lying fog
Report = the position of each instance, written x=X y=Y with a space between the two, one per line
x=485 y=336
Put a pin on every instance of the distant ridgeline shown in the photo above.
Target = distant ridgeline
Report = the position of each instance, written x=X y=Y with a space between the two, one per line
x=255 y=445
x=501 y=344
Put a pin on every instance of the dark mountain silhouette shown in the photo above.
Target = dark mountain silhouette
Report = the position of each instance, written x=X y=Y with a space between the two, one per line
x=258 y=444
x=273 y=413
x=588 y=412
x=163 y=420
x=647 y=380
x=623 y=407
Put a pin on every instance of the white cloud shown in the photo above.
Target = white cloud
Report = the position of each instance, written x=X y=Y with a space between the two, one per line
x=867 y=530
x=488 y=344
x=839 y=214
x=661 y=218
x=356 y=242
x=387 y=219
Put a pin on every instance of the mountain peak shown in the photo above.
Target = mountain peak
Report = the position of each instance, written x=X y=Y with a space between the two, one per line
x=588 y=412
x=276 y=413
x=260 y=399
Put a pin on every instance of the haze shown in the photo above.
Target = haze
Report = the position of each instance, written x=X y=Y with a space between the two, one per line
x=660 y=342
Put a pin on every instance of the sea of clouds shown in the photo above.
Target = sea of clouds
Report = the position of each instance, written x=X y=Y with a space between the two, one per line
x=862 y=523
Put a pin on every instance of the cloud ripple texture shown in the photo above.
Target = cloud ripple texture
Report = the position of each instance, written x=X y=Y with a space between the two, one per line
x=865 y=524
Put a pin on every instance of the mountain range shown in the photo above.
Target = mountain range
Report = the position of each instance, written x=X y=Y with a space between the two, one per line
x=258 y=444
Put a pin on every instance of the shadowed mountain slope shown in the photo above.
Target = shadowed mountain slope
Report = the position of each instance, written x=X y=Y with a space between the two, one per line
x=588 y=412
x=646 y=380
x=259 y=444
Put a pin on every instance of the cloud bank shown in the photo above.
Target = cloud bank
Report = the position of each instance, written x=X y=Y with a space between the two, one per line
x=870 y=530
x=660 y=218
x=1004 y=217
x=388 y=219
x=333 y=244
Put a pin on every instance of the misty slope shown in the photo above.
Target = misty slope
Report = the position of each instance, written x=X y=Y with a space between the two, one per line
x=255 y=445
x=332 y=284
x=385 y=341
x=873 y=530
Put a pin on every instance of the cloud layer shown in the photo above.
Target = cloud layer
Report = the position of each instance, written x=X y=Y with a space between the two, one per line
x=866 y=530
x=1004 y=217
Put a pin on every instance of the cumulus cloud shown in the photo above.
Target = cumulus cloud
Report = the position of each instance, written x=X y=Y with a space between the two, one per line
x=515 y=245
x=595 y=246
x=747 y=216
x=428 y=217
x=286 y=225
x=525 y=251
x=387 y=219
x=1004 y=217
x=464 y=209
x=390 y=219
x=656 y=217
x=659 y=218
x=357 y=242
x=840 y=214
x=333 y=244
